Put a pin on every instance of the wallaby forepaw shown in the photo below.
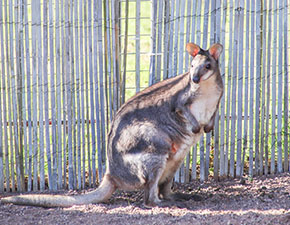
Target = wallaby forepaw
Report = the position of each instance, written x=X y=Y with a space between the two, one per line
x=149 y=205
x=208 y=129
x=196 y=129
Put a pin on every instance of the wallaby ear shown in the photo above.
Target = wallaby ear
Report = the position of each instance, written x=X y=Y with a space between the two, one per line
x=192 y=49
x=215 y=50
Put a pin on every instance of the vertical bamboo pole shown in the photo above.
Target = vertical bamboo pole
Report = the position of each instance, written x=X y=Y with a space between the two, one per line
x=123 y=87
x=53 y=105
x=165 y=36
x=187 y=40
x=24 y=93
x=246 y=85
x=137 y=45
x=87 y=94
x=222 y=116
x=46 y=97
x=205 y=24
x=239 y=171
x=187 y=168
x=14 y=73
x=176 y=31
x=68 y=65
x=258 y=86
x=4 y=88
x=280 y=89
x=159 y=39
x=218 y=21
x=58 y=92
x=92 y=104
x=198 y=21
x=40 y=98
x=108 y=61
x=21 y=93
x=193 y=167
x=202 y=159
x=77 y=10
x=82 y=83
x=64 y=87
x=229 y=84
x=274 y=68
x=28 y=97
x=102 y=104
x=9 y=97
x=213 y=22
x=23 y=130
x=171 y=31
x=13 y=98
x=286 y=90
x=3 y=123
x=251 y=126
x=98 y=109
x=263 y=94
x=73 y=91
x=152 y=78
x=181 y=38
x=207 y=155
x=115 y=52
x=34 y=11
x=119 y=42
x=234 y=90
x=268 y=72
x=193 y=30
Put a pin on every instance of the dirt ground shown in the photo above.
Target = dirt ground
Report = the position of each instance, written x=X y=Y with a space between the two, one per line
x=263 y=200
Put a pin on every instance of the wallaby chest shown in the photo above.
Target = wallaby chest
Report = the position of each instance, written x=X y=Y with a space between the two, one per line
x=205 y=105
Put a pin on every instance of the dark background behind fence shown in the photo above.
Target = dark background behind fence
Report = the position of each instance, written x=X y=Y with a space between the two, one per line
x=67 y=66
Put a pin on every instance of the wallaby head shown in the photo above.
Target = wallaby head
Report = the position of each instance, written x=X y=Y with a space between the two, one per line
x=205 y=62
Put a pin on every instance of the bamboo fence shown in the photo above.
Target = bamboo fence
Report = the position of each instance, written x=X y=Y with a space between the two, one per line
x=67 y=66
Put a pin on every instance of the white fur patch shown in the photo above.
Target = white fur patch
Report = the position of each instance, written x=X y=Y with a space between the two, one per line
x=207 y=75
x=204 y=106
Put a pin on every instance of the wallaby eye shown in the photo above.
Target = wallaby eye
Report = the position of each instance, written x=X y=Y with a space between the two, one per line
x=207 y=66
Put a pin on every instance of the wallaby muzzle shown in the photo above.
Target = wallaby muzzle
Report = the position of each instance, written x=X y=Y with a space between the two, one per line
x=196 y=79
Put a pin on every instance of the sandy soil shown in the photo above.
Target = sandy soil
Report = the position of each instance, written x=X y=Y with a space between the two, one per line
x=263 y=200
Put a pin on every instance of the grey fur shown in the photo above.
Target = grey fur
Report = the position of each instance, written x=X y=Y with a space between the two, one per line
x=149 y=138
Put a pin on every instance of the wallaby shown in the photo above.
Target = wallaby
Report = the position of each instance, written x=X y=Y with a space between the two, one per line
x=152 y=133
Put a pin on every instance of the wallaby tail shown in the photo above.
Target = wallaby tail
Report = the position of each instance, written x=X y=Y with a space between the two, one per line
x=101 y=194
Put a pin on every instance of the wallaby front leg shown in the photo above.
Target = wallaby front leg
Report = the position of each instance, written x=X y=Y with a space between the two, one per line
x=165 y=189
x=207 y=128
x=151 y=198
x=186 y=115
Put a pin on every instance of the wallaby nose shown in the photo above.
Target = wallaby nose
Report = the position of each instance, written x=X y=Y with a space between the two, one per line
x=196 y=79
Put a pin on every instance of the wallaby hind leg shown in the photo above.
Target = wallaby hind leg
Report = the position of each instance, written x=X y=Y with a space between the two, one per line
x=151 y=198
x=165 y=189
